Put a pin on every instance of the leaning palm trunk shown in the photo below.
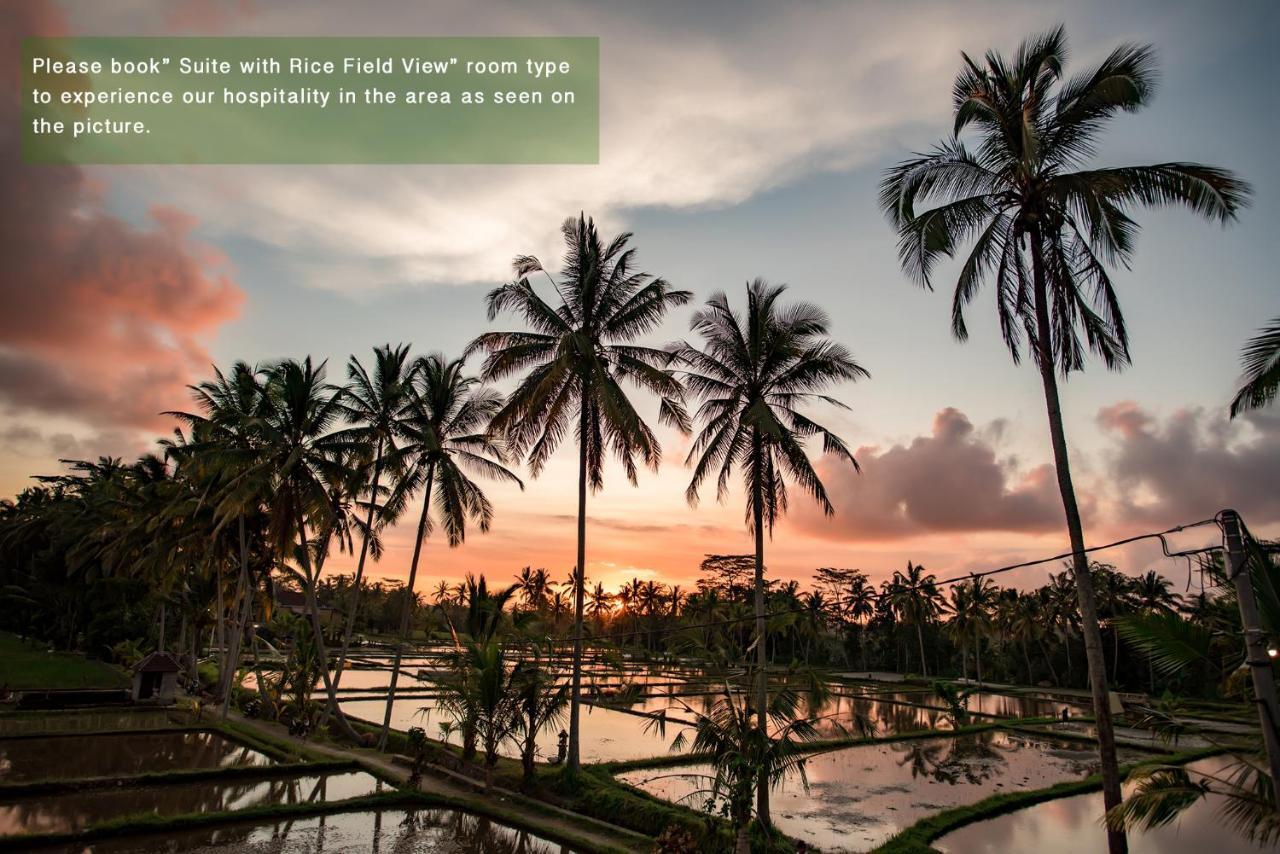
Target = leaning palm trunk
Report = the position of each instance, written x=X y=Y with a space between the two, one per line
x=407 y=615
x=353 y=605
x=762 y=675
x=579 y=583
x=228 y=681
x=313 y=610
x=1111 y=793
x=924 y=667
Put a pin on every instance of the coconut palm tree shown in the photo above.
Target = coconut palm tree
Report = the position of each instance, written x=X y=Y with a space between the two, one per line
x=576 y=357
x=1261 y=361
x=752 y=375
x=918 y=602
x=1045 y=230
x=743 y=755
x=294 y=456
x=534 y=585
x=375 y=404
x=860 y=602
x=223 y=437
x=446 y=441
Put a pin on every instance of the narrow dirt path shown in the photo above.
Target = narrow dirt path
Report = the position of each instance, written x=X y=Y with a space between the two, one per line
x=580 y=831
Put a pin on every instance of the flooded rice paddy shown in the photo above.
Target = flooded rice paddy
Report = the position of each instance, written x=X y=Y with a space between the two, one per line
x=78 y=810
x=1072 y=826
x=858 y=797
x=396 y=830
x=72 y=757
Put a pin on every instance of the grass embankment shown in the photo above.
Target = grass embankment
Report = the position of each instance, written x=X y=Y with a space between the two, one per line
x=26 y=665
x=916 y=838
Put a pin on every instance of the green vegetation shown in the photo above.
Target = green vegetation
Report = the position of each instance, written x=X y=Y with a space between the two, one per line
x=28 y=664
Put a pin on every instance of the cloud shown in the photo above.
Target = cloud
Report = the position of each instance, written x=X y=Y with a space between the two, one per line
x=1192 y=464
x=103 y=320
x=727 y=104
x=951 y=481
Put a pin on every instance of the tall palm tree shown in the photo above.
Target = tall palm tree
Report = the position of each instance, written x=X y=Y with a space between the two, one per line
x=445 y=440
x=534 y=585
x=375 y=404
x=860 y=602
x=1261 y=360
x=576 y=356
x=753 y=374
x=1045 y=230
x=223 y=437
x=295 y=458
x=918 y=602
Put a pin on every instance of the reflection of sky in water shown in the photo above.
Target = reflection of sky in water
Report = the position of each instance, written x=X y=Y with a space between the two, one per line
x=1071 y=826
x=607 y=734
x=397 y=830
x=860 y=796
x=119 y=754
x=77 y=810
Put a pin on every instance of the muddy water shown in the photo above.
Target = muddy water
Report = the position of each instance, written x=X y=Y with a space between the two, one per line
x=78 y=810
x=66 y=757
x=860 y=796
x=608 y=735
x=418 y=831
x=1071 y=826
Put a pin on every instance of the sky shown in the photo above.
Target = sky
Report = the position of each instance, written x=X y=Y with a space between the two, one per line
x=737 y=140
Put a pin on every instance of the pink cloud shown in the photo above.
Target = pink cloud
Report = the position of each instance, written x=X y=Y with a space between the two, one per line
x=104 y=320
x=951 y=481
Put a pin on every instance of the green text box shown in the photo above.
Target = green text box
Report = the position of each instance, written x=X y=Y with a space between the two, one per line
x=216 y=116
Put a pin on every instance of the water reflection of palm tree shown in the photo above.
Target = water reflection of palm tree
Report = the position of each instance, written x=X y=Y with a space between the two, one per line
x=972 y=758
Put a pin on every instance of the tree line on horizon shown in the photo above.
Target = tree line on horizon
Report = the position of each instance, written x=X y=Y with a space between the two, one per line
x=278 y=467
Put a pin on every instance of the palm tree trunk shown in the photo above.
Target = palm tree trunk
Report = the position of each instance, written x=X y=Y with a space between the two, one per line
x=242 y=596
x=221 y=626
x=977 y=654
x=407 y=614
x=924 y=665
x=762 y=676
x=1111 y=793
x=579 y=583
x=1026 y=659
x=1048 y=659
x=354 y=604
x=313 y=609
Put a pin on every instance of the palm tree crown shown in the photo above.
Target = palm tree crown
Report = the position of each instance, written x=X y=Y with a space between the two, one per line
x=755 y=372
x=1261 y=361
x=1023 y=190
x=578 y=353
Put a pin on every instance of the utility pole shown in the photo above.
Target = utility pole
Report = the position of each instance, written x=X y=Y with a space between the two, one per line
x=1255 y=643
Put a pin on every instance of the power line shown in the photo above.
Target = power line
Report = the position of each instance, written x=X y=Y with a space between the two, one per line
x=1155 y=535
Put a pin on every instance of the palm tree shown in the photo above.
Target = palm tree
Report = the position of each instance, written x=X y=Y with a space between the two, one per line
x=533 y=585
x=860 y=602
x=230 y=404
x=745 y=756
x=375 y=404
x=294 y=457
x=445 y=440
x=1045 y=230
x=752 y=375
x=917 y=601
x=576 y=356
x=1261 y=361
x=600 y=604
x=540 y=701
